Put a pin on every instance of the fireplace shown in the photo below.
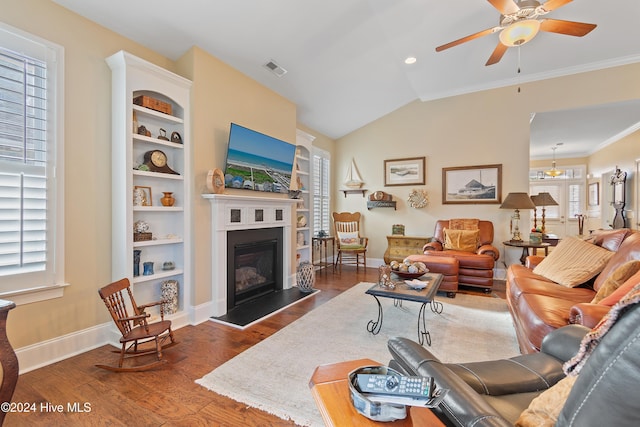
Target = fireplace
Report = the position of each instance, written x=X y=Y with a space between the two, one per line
x=231 y=213
x=254 y=264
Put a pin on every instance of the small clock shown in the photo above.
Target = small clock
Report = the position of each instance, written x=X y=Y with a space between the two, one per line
x=156 y=161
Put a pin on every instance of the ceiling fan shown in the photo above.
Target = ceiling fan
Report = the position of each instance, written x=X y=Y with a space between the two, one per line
x=520 y=22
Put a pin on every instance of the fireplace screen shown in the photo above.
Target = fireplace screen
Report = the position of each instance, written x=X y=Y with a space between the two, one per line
x=254 y=268
x=254 y=264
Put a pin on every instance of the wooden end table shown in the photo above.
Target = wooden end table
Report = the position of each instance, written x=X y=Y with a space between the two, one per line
x=525 y=245
x=330 y=388
x=399 y=247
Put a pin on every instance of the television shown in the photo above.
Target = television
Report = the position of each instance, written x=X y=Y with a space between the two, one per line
x=258 y=162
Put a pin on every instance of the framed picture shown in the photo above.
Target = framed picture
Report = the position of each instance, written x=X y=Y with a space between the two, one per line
x=409 y=171
x=472 y=184
x=142 y=196
x=594 y=193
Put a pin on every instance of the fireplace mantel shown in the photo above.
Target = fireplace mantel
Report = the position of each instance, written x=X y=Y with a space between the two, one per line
x=236 y=212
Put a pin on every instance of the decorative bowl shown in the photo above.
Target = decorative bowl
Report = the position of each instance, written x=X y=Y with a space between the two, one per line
x=407 y=275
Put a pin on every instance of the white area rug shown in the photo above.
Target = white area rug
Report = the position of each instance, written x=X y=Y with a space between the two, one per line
x=274 y=374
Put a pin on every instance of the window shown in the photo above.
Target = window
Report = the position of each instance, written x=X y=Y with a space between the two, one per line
x=31 y=222
x=320 y=169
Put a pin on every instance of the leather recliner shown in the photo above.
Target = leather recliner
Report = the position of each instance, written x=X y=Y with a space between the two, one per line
x=495 y=393
x=476 y=268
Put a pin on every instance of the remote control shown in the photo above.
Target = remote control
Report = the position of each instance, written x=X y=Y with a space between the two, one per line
x=395 y=385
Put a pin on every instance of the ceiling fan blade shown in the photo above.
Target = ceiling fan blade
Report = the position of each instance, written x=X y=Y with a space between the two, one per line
x=570 y=28
x=506 y=7
x=467 y=38
x=554 y=4
x=497 y=54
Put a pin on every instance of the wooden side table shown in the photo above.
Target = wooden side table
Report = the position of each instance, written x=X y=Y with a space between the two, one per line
x=525 y=245
x=399 y=247
x=321 y=244
x=330 y=388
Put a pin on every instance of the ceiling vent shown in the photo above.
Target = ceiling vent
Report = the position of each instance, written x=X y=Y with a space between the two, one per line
x=275 y=68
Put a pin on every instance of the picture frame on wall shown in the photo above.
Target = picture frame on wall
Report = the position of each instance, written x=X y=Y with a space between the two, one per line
x=472 y=184
x=407 y=171
x=594 y=194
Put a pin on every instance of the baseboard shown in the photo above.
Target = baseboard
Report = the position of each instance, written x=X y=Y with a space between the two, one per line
x=56 y=349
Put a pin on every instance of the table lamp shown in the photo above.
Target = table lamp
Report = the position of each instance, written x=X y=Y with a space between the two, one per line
x=543 y=199
x=517 y=201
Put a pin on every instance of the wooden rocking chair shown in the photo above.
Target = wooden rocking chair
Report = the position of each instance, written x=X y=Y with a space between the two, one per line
x=135 y=329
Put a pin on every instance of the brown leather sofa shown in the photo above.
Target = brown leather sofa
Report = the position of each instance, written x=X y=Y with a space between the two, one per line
x=539 y=305
x=476 y=268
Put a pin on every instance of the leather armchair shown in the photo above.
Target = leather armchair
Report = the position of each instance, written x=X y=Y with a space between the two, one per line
x=476 y=268
x=494 y=393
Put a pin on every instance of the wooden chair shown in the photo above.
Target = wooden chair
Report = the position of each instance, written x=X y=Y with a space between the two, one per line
x=135 y=329
x=352 y=248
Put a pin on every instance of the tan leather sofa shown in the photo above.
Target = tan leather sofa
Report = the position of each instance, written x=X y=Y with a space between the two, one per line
x=476 y=268
x=539 y=305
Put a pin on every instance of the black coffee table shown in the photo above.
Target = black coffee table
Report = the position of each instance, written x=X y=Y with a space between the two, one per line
x=403 y=292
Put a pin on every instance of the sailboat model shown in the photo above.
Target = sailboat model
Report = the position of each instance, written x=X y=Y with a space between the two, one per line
x=353 y=178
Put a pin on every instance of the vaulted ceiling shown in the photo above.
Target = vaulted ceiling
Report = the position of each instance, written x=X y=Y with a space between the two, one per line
x=344 y=59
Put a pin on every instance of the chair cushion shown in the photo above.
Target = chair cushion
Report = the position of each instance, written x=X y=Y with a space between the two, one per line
x=544 y=409
x=616 y=279
x=573 y=262
x=461 y=240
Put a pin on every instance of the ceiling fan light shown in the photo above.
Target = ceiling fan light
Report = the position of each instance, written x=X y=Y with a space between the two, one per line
x=519 y=32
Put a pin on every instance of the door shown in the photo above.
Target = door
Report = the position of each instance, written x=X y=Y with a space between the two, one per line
x=560 y=220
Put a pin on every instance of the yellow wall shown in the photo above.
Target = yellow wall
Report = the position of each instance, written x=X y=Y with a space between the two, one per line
x=489 y=127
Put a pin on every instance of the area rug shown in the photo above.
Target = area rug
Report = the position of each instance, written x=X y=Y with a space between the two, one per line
x=274 y=374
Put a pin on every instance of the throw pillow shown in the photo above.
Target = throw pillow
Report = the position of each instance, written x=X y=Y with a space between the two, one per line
x=624 y=289
x=616 y=279
x=573 y=262
x=463 y=224
x=349 y=239
x=461 y=240
x=544 y=409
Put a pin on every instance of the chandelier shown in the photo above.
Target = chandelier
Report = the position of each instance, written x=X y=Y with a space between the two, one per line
x=554 y=172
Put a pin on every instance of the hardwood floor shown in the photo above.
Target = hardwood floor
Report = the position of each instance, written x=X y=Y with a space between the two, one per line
x=166 y=396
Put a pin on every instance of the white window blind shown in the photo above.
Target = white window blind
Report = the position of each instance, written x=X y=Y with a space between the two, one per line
x=29 y=190
x=321 y=169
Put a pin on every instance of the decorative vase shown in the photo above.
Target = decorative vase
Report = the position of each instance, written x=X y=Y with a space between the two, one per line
x=169 y=289
x=148 y=268
x=305 y=276
x=167 y=199
x=136 y=262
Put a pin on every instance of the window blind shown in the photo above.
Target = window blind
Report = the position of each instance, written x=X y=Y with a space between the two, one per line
x=23 y=164
x=321 y=200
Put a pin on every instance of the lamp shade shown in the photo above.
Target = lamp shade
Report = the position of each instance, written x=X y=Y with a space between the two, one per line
x=517 y=201
x=519 y=32
x=544 y=199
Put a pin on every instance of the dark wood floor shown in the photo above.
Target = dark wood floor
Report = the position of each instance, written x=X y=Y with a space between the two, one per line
x=167 y=396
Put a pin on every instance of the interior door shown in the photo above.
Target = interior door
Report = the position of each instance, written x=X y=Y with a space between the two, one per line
x=559 y=220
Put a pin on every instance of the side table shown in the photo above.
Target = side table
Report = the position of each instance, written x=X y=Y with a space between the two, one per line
x=321 y=244
x=330 y=388
x=399 y=247
x=525 y=245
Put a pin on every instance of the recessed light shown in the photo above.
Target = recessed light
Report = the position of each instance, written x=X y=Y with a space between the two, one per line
x=410 y=60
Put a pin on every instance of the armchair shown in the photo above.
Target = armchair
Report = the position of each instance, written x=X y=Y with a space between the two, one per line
x=470 y=241
x=351 y=247
x=495 y=393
